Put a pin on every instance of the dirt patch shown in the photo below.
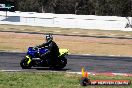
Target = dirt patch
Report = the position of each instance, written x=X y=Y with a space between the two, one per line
x=77 y=45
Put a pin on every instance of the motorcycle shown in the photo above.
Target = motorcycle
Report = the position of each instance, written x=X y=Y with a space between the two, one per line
x=33 y=59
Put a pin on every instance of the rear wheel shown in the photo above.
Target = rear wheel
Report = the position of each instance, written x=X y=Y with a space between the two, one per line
x=61 y=63
x=24 y=64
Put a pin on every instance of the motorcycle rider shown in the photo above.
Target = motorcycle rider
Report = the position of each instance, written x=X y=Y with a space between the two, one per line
x=53 y=52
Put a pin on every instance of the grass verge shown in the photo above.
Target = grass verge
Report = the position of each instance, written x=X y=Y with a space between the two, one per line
x=50 y=80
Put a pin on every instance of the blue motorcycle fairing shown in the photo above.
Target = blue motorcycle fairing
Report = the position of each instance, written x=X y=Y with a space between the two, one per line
x=43 y=50
x=33 y=52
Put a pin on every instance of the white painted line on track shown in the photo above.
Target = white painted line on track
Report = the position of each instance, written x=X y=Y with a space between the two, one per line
x=101 y=55
x=105 y=74
x=11 y=70
x=91 y=73
x=13 y=51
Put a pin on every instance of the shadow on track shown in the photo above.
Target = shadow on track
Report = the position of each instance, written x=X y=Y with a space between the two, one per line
x=49 y=69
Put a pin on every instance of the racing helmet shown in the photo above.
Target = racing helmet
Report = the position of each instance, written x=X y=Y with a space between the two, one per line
x=49 y=37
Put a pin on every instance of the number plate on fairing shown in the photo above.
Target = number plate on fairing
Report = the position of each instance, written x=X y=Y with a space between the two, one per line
x=36 y=59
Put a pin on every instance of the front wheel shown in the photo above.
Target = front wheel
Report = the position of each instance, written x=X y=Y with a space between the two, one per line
x=24 y=64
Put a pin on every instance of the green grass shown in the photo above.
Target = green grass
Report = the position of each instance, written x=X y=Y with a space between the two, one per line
x=49 y=80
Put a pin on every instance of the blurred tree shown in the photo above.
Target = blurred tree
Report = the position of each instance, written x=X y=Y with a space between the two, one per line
x=86 y=7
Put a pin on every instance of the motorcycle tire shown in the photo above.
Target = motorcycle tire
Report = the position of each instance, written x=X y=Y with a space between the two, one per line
x=61 y=64
x=24 y=64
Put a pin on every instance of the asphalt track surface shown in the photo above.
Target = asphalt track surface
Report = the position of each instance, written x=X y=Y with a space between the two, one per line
x=11 y=60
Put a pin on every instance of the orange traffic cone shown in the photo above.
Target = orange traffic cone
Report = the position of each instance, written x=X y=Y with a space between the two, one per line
x=86 y=74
